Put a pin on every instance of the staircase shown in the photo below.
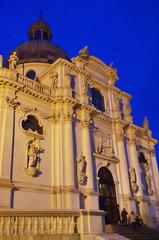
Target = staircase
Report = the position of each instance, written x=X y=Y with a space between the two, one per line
x=142 y=233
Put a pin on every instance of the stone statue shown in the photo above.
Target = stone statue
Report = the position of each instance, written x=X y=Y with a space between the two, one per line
x=145 y=123
x=81 y=170
x=116 y=103
x=148 y=178
x=54 y=78
x=133 y=182
x=99 y=149
x=128 y=108
x=13 y=60
x=1 y=61
x=33 y=157
x=84 y=86
x=84 y=52
x=33 y=149
x=67 y=82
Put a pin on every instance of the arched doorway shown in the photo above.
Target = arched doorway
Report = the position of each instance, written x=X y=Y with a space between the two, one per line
x=107 y=196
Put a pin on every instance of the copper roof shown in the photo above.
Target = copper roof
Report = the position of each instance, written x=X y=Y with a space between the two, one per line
x=39 y=50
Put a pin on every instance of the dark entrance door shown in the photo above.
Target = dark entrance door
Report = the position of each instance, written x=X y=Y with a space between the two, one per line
x=107 y=196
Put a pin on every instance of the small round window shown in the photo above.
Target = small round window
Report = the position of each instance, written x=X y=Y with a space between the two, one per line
x=31 y=74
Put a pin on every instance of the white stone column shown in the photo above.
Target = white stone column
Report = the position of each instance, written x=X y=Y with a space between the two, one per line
x=123 y=166
x=154 y=170
x=133 y=158
x=86 y=147
x=91 y=197
x=69 y=151
x=72 y=194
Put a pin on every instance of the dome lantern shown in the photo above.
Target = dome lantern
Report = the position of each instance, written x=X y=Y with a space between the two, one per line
x=40 y=30
x=39 y=47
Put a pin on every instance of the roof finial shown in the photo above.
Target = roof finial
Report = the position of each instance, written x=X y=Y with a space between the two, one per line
x=145 y=124
x=40 y=16
x=84 y=52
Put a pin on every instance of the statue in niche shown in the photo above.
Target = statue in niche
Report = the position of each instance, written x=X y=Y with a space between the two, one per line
x=13 y=60
x=84 y=86
x=99 y=149
x=33 y=162
x=1 y=61
x=81 y=170
x=148 y=178
x=84 y=52
x=67 y=82
x=116 y=103
x=145 y=123
x=54 y=79
x=133 y=181
x=128 y=108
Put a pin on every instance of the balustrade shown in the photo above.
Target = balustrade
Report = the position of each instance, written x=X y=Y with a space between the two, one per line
x=8 y=75
x=38 y=225
x=34 y=85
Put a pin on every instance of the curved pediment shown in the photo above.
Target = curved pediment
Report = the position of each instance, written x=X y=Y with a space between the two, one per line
x=94 y=64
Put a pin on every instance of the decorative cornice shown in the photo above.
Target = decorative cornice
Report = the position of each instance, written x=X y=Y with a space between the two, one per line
x=29 y=187
x=118 y=91
x=106 y=158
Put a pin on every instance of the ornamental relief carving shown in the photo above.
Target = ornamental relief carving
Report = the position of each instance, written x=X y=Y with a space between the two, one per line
x=103 y=143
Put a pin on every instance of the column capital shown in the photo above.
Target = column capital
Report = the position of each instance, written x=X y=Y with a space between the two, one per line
x=119 y=132
x=130 y=133
x=85 y=123
x=67 y=117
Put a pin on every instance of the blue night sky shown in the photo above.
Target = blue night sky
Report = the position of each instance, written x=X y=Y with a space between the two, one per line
x=125 y=32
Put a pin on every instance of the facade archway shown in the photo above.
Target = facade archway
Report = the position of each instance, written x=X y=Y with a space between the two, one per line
x=107 y=196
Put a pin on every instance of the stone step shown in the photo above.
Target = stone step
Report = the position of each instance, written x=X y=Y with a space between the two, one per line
x=143 y=233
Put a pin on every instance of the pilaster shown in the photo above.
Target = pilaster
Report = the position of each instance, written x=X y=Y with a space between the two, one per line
x=134 y=170
x=91 y=200
x=123 y=165
x=154 y=170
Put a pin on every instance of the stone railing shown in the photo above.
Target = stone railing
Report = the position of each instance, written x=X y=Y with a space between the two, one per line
x=32 y=84
x=13 y=223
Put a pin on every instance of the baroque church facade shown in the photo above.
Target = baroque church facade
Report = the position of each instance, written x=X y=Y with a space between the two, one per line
x=69 y=150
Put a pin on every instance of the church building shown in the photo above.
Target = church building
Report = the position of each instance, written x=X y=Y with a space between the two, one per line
x=71 y=157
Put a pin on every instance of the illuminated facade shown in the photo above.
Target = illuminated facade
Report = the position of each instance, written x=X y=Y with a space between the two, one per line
x=69 y=148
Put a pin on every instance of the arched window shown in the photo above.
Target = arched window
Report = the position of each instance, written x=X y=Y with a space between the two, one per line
x=31 y=74
x=97 y=99
x=45 y=35
x=37 y=35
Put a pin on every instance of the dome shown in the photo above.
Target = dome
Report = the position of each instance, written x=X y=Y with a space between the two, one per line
x=39 y=47
x=39 y=51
